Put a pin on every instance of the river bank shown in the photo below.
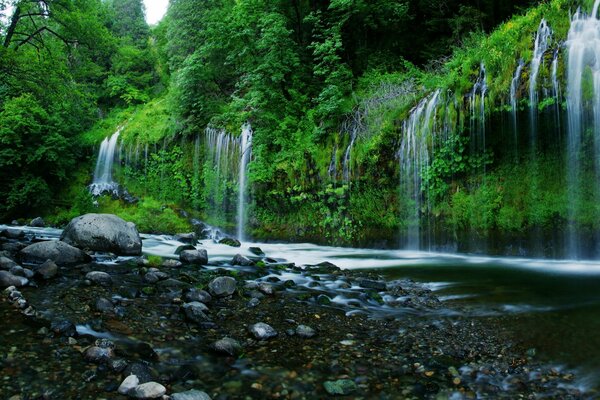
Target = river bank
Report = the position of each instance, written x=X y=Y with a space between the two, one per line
x=350 y=332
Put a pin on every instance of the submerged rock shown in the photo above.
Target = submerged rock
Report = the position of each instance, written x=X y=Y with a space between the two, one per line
x=190 y=395
x=262 y=331
x=227 y=346
x=242 y=261
x=103 y=232
x=222 y=286
x=189 y=238
x=59 y=252
x=7 y=279
x=257 y=251
x=47 y=270
x=341 y=387
x=305 y=332
x=97 y=354
x=63 y=327
x=128 y=383
x=149 y=390
x=196 y=257
x=99 y=278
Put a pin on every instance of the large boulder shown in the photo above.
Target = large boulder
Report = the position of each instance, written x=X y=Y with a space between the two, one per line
x=59 y=252
x=103 y=232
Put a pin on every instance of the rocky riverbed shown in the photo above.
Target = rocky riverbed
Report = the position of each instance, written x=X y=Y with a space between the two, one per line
x=249 y=328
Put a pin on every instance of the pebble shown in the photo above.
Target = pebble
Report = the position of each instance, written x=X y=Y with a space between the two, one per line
x=149 y=390
x=305 y=332
x=99 y=278
x=222 y=286
x=128 y=383
x=262 y=331
x=190 y=395
x=227 y=346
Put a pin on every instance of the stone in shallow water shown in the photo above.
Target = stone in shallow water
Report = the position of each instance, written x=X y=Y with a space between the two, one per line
x=142 y=371
x=266 y=288
x=37 y=222
x=96 y=354
x=262 y=331
x=227 y=346
x=195 y=257
x=341 y=387
x=171 y=264
x=190 y=395
x=195 y=312
x=104 y=305
x=128 y=383
x=59 y=252
x=230 y=242
x=6 y=263
x=149 y=390
x=7 y=279
x=63 y=327
x=47 y=270
x=305 y=332
x=103 y=232
x=99 y=278
x=198 y=295
x=371 y=284
x=241 y=260
x=257 y=251
x=222 y=286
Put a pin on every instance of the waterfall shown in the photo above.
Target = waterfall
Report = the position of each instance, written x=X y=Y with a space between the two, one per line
x=556 y=89
x=417 y=135
x=477 y=103
x=514 y=87
x=542 y=41
x=103 y=180
x=332 y=170
x=246 y=149
x=583 y=47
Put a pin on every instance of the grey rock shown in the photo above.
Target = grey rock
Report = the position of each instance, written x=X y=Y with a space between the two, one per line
x=99 y=278
x=305 y=332
x=59 y=252
x=222 y=286
x=173 y=284
x=104 y=305
x=196 y=257
x=341 y=387
x=266 y=288
x=7 y=279
x=188 y=238
x=371 y=284
x=257 y=251
x=142 y=371
x=230 y=242
x=97 y=355
x=47 y=270
x=227 y=346
x=128 y=384
x=12 y=233
x=103 y=232
x=253 y=302
x=262 y=331
x=149 y=390
x=171 y=264
x=6 y=263
x=198 y=295
x=37 y=222
x=63 y=327
x=190 y=395
x=151 y=277
x=184 y=247
x=242 y=261
x=195 y=312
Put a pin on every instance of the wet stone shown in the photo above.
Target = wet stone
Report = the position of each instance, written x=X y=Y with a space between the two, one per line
x=63 y=328
x=96 y=354
x=117 y=365
x=341 y=387
x=262 y=331
x=195 y=257
x=149 y=390
x=171 y=264
x=7 y=279
x=227 y=346
x=6 y=263
x=128 y=384
x=47 y=270
x=230 y=242
x=266 y=288
x=183 y=248
x=371 y=284
x=189 y=238
x=151 y=277
x=305 y=332
x=253 y=302
x=195 y=312
x=104 y=305
x=142 y=371
x=198 y=295
x=191 y=395
x=239 y=259
x=99 y=278
x=256 y=251
x=222 y=286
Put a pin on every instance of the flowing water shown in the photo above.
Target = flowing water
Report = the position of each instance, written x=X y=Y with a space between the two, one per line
x=542 y=43
x=103 y=180
x=514 y=87
x=583 y=48
x=246 y=152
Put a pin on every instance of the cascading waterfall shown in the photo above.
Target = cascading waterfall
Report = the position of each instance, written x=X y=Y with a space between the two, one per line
x=477 y=103
x=417 y=135
x=514 y=87
x=556 y=89
x=246 y=150
x=542 y=42
x=103 y=180
x=583 y=47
